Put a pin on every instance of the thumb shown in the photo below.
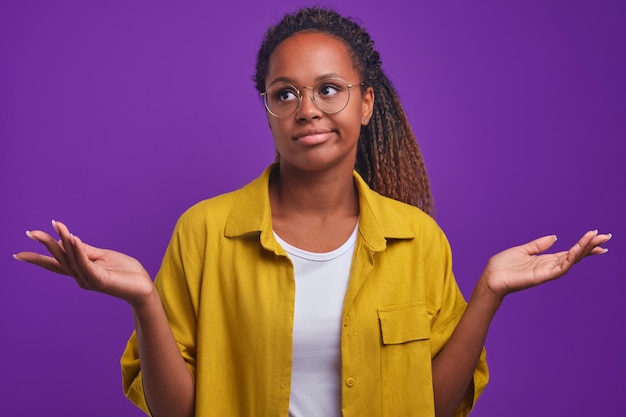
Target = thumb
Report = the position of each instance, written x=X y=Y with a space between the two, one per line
x=539 y=245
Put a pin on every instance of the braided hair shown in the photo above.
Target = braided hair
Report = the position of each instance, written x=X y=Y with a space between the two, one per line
x=388 y=156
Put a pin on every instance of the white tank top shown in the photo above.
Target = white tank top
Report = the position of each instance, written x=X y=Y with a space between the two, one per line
x=321 y=282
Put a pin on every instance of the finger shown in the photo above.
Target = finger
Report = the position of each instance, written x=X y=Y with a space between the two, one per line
x=572 y=256
x=601 y=239
x=92 y=252
x=598 y=251
x=590 y=243
x=46 y=262
x=66 y=239
x=594 y=248
x=539 y=245
x=88 y=268
x=54 y=247
x=587 y=238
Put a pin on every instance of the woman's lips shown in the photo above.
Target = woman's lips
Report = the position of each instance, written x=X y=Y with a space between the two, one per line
x=312 y=137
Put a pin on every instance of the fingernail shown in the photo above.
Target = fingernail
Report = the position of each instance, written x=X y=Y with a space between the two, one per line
x=609 y=235
x=15 y=257
x=605 y=250
x=555 y=238
x=30 y=235
x=595 y=232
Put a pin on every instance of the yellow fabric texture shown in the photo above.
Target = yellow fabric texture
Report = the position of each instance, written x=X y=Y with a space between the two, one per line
x=228 y=290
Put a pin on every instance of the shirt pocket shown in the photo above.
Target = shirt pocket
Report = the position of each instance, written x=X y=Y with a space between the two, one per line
x=404 y=323
x=405 y=360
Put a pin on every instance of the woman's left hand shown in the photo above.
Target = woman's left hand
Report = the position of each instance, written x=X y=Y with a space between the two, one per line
x=525 y=266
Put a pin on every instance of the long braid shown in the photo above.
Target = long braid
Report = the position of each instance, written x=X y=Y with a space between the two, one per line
x=388 y=156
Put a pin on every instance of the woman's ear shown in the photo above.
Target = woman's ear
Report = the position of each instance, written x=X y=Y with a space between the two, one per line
x=367 y=105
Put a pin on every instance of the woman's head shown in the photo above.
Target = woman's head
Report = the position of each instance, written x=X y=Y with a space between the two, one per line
x=315 y=104
x=364 y=58
x=388 y=157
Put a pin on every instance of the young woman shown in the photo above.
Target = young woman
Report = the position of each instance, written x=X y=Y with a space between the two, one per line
x=308 y=293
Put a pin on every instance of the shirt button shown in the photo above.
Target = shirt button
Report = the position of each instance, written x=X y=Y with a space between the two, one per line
x=350 y=382
x=346 y=321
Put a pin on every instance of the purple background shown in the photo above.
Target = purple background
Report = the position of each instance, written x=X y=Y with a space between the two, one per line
x=116 y=116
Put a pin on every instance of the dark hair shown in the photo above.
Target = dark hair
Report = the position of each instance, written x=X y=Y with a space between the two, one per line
x=388 y=156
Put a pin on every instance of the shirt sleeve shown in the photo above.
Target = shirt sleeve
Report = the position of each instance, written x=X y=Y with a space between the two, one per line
x=447 y=306
x=178 y=285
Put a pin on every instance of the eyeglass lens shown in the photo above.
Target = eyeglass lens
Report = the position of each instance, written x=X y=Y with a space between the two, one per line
x=330 y=96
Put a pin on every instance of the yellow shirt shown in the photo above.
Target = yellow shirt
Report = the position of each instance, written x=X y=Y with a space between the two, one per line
x=228 y=290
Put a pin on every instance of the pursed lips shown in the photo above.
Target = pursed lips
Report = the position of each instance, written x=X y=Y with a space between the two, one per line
x=312 y=135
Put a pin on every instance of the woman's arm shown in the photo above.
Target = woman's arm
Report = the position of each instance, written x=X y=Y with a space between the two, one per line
x=168 y=383
x=513 y=270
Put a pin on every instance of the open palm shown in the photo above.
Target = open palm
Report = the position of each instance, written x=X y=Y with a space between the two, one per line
x=96 y=269
x=526 y=266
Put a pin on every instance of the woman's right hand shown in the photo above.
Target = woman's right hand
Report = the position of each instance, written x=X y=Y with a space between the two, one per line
x=92 y=268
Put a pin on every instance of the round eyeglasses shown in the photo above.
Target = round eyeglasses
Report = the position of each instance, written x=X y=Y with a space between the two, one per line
x=330 y=96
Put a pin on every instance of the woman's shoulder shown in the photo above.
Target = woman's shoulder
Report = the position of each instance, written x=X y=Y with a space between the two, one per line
x=214 y=209
x=388 y=209
x=217 y=209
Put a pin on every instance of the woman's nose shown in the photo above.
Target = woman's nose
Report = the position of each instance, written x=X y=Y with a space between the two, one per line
x=308 y=108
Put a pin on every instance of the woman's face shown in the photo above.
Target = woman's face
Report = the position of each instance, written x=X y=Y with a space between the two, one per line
x=310 y=139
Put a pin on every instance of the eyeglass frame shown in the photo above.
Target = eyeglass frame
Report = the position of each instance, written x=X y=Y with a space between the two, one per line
x=301 y=97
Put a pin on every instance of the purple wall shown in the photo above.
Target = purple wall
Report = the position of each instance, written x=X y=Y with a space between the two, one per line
x=116 y=116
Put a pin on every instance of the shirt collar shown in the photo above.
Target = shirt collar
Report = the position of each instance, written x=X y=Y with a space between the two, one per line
x=379 y=219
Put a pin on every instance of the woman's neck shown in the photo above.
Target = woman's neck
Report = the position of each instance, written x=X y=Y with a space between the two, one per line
x=317 y=194
x=314 y=211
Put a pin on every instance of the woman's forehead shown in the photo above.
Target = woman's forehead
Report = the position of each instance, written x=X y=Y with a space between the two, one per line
x=310 y=56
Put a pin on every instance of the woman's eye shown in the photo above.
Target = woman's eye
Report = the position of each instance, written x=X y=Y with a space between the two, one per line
x=329 y=90
x=286 y=95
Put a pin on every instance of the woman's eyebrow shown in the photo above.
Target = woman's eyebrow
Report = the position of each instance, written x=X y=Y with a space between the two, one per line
x=331 y=75
x=288 y=80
